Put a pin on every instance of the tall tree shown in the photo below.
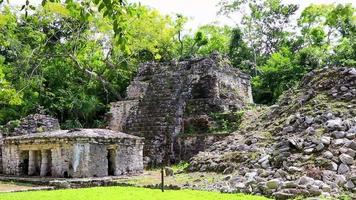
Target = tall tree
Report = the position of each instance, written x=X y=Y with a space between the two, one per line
x=239 y=52
x=332 y=30
x=265 y=24
x=73 y=67
x=205 y=40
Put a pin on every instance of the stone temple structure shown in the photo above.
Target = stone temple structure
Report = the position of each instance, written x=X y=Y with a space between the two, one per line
x=166 y=100
x=73 y=153
x=31 y=124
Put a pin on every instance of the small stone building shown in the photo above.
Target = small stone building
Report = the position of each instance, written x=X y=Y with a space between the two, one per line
x=73 y=153
x=166 y=100
x=31 y=124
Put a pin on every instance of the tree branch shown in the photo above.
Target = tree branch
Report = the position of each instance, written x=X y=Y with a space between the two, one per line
x=106 y=84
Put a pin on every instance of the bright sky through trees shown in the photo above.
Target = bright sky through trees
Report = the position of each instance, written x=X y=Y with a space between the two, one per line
x=200 y=11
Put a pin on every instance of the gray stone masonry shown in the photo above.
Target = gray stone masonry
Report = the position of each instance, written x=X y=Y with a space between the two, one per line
x=163 y=96
x=30 y=124
x=73 y=153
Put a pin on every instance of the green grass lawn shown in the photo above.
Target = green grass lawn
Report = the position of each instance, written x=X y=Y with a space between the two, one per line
x=124 y=193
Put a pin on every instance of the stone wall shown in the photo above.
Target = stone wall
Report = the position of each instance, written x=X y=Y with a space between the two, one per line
x=129 y=158
x=61 y=156
x=11 y=160
x=61 y=160
x=99 y=168
x=81 y=159
x=119 y=112
x=165 y=94
x=186 y=146
x=71 y=158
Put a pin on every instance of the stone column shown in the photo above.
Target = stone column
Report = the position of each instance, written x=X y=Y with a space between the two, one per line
x=31 y=162
x=44 y=163
x=57 y=160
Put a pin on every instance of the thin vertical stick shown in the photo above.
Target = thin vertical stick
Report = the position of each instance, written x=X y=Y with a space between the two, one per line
x=162 y=178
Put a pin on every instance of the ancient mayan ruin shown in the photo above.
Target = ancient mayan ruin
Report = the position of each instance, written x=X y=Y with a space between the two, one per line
x=166 y=100
x=177 y=100
x=73 y=153
x=173 y=112
x=37 y=147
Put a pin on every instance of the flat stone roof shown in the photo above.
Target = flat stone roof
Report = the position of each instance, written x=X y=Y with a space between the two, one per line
x=101 y=134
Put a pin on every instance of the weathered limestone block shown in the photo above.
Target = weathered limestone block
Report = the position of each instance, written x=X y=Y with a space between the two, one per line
x=11 y=160
x=119 y=113
x=137 y=89
x=129 y=158
x=29 y=125
x=62 y=156
x=98 y=160
x=80 y=160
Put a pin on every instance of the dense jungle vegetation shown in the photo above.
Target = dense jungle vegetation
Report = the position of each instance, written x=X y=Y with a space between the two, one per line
x=70 y=59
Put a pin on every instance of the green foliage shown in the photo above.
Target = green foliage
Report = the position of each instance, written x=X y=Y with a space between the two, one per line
x=10 y=127
x=226 y=122
x=181 y=166
x=278 y=74
x=206 y=40
x=8 y=95
x=217 y=39
x=240 y=54
x=345 y=52
x=151 y=38
x=115 y=10
x=266 y=26
x=330 y=31
x=73 y=67
x=72 y=58
x=277 y=53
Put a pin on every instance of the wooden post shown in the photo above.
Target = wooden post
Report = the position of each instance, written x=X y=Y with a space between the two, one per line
x=162 y=178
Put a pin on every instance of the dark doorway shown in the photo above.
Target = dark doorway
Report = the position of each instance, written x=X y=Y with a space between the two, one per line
x=65 y=174
x=24 y=163
x=111 y=162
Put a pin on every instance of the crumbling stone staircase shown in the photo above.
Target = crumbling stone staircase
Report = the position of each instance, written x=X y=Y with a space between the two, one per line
x=159 y=116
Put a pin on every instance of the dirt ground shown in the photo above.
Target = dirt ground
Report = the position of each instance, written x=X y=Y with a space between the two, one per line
x=148 y=178
x=153 y=177
x=11 y=187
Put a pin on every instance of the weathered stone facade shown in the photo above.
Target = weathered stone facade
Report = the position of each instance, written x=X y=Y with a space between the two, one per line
x=30 y=124
x=164 y=96
x=73 y=153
